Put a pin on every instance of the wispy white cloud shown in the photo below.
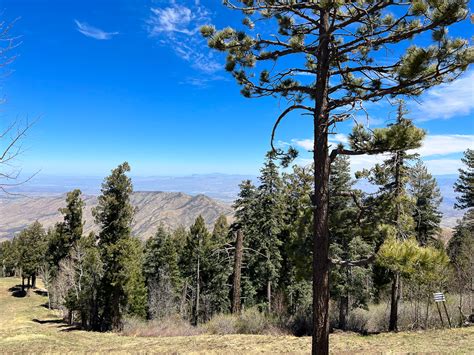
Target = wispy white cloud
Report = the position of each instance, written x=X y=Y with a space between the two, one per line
x=93 y=32
x=176 y=18
x=203 y=81
x=443 y=166
x=434 y=147
x=303 y=143
x=447 y=100
x=445 y=144
x=441 y=144
x=177 y=26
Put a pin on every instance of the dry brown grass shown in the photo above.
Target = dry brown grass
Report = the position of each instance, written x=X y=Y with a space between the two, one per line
x=20 y=333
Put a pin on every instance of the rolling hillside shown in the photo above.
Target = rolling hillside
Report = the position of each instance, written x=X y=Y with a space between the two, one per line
x=170 y=208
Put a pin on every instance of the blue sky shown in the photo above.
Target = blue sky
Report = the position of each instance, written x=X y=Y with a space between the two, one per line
x=132 y=80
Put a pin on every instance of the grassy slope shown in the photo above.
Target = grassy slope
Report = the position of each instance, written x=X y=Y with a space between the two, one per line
x=20 y=333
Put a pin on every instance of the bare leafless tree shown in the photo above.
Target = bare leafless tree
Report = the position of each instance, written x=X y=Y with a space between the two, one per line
x=12 y=133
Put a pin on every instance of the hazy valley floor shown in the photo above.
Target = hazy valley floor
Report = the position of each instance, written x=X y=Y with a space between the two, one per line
x=27 y=326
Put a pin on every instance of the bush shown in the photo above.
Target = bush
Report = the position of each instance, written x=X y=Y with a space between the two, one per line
x=165 y=327
x=222 y=324
x=251 y=321
x=299 y=324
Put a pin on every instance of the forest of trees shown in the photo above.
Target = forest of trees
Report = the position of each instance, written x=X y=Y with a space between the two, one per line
x=262 y=260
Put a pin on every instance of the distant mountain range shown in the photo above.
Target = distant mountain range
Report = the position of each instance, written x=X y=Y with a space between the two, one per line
x=223 y=187
x=182 y=200
x=172 y=209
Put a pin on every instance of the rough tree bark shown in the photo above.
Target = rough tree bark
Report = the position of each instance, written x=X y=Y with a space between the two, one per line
x=395 y=297
x=320 y=341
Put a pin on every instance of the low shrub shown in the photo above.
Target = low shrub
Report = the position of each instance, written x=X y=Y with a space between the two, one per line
x=221 y=324
x=250 y=321
x=165 y=327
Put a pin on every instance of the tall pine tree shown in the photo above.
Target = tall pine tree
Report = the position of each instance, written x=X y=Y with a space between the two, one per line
x=31 y=244
x=162 y=274
x=265 y=242
x=465 y=183
x=114 y=214
x=195 y=261
x=394 y=204
x=68 y=232
x=424 y=189
x=348 y=282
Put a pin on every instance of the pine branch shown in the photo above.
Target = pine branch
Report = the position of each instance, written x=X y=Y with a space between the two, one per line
x=351 y=263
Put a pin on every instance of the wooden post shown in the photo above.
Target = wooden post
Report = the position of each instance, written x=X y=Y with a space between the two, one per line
x=447 y=315
x=236 y=287
x=440 y=316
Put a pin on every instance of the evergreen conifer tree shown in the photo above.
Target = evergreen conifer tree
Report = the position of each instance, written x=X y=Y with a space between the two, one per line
x=394 y=204
x=195 y=265
x=265 y=242
x=346 y=243
x=31 y=246
x=244 y=207
x=465 y=183
x=66 y=233
x=219 y=268
x=162 y=274
x=113 y=215
x=427 y=198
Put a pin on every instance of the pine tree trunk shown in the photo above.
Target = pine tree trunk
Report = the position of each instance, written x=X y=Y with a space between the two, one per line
x=116 y=313
x=33 y=281
x=320 y=341
x=395 y=297
x=343 y=311
x=198 y=291
x=395 y=294
x=237 y=273
x=269 y=297
x=183 y=297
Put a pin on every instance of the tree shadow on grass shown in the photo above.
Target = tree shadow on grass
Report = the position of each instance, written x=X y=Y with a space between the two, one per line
x=70 y=328
x=41 y=292
x=49 y=321
x=61 y=324
x=17 y=291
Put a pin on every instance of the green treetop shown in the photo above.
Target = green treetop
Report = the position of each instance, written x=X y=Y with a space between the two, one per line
x=427 y=197
x=465 y=184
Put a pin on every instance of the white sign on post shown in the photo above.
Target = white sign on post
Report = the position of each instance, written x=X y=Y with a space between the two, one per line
x=439 y=297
